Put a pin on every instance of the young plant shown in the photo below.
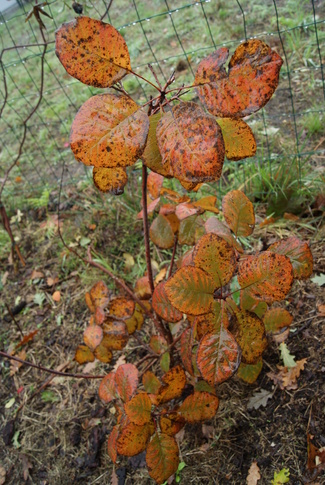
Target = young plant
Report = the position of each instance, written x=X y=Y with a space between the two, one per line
x=212 y=314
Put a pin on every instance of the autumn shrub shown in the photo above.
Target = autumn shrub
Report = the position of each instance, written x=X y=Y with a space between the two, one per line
x=210 y=311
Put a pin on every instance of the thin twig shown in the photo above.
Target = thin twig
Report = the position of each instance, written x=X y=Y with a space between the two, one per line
x=50 y=371
x=146 y=226
x=173 y=257
x=107 y=10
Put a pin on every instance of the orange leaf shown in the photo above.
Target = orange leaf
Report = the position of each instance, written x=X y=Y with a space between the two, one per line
x=161 y=232
x=142 y=288
x=26 y=339
x=250 y=336
x=190 y=141
x=276 y=318
x=109 y=131
x=299 y=254
x=216 y=257
x=191 y=290
x=239 y=213
x=210 y=322
x=107 y=388
x=56 y=296
x=126 y=378
x=251 y=80
x=99 y=295
x=154 y=184
x=15 y=365
x=121 y=307
x=138 y=409
x=102 y=352
x=217 y=227
x=218 y=356
x=186 y=209
x=136 y=321
x=267 y=276
x=133 y=439
x=171 y=423
x=162 y=305
x=92 y=51
x=99 y=316
x=207 y=203
x=238 y=137
x=174 y=383
x=199 y=406
x=112 y=180
x=186 y=350
x=93 y=336
x=84 y=354
x=162 y=457
x=115 y=333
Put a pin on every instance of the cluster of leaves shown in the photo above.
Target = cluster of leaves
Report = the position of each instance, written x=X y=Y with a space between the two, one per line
x=149 y=419
x=218 y=299
x=113 y=319
x=223 y=336
x=111 y=132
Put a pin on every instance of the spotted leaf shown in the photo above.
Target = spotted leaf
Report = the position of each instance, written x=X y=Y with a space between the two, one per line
x=162 y=305
x=112 y=180
x=109 y=131
x=199 y=406
x=238 y=212
x=162 y=457
x=299 y=254
x=251 y=80
x=92 y=51
x=126 y=378
x=190 y=141
x=238 y=137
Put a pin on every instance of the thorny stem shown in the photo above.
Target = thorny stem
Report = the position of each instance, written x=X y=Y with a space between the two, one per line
x=50 y=371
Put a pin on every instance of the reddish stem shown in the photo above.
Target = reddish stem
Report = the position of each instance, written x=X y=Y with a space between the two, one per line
x=173 y=257
x=146 y=226
x=51 y=371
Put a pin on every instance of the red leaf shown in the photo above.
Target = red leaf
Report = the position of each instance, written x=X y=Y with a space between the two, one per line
x=92 y=51
x=299 y=254
x=154 y=184
x=251 y=80
x=217 y=227
x=93 y=336
x=107 y=388
x=126 y=378
x=111 y=443
x=190 y=141
x=162 y=305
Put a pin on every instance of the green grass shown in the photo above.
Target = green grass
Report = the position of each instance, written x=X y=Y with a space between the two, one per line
x=200 y=28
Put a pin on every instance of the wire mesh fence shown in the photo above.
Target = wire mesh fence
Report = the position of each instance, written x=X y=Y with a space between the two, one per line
x=39 y=99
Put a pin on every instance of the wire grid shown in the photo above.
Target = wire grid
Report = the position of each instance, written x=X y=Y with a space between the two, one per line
x=168 y=34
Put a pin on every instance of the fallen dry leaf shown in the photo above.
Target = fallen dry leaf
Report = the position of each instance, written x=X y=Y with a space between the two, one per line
x=36 y=275
x=253 y=474
x=4 y=278
x=160 y=276
x=207 y=431
x=114 y=479
x=26 y=466
x=259 y=398
x=286 y=378
x=89 y=367
x=52 y=281
x=56 y=296
x=14 y=365
x=26 y=339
